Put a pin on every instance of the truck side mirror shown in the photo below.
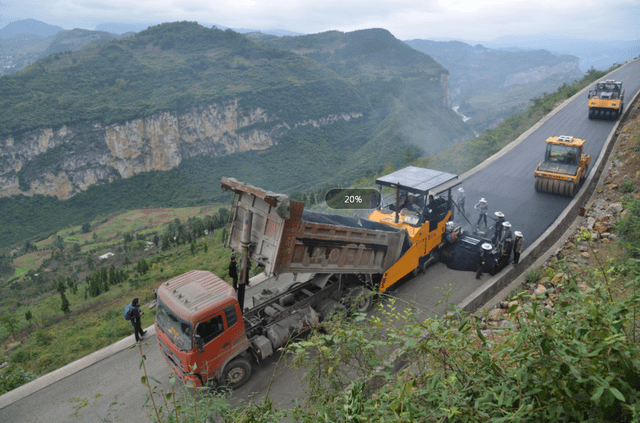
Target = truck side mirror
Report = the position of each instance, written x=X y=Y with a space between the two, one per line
x=199 y=343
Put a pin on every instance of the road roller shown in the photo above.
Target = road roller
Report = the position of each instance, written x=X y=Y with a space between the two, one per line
x=564 y=167
x=606 y=100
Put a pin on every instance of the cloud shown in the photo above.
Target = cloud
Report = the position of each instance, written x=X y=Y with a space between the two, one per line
x=406 y=19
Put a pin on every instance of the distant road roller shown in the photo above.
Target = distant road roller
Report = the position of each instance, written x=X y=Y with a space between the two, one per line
x=606 y=100
x=564 y=167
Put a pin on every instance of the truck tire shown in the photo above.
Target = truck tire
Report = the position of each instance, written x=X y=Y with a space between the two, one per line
x=359 y=299
x=329 y=308
x=237 y=372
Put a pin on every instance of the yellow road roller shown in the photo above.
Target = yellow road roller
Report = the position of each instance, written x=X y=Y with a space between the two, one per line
x=606 y=100
x=564 y=167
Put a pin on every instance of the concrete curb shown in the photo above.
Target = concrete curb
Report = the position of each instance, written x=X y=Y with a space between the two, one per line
x=556 y=231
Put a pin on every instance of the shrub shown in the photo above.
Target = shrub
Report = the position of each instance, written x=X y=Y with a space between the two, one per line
x=629 y=227
x=533 y=275
x=628 y=186
x=12 y=377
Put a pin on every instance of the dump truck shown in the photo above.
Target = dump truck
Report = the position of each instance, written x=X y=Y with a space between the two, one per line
x=209 y=336
x=606 y=100
x=565 y=166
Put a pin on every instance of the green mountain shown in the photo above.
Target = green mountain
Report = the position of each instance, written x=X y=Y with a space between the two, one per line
x=489 y=85
x=398 y=81
x=157 y=118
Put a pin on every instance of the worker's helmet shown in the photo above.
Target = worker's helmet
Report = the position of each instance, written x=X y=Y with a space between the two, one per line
x=482 y=200
x=448 y=226
x=486 y=246
x=460 y=189
x=518 y=233
x=506 y=224
x=499 y=214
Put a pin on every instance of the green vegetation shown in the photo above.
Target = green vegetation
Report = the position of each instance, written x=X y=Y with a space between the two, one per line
x=629 y=227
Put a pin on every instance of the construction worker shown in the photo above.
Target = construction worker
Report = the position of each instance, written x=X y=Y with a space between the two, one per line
x=460 y=200
x=518 y=247
x=482 y=209
x=483 y=259
x=449 y=235
x=506 y=244
x=497 y=236
x=507 y=235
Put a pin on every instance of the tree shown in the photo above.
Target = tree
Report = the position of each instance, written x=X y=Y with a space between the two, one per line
x=28 y=316
x=65 y=303
x=142 y=267
x=193 y=248
x=86 y=228
x=112 y=275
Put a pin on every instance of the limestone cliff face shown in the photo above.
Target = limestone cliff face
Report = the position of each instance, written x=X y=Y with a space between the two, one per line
x=62 y=162
x=541 y=72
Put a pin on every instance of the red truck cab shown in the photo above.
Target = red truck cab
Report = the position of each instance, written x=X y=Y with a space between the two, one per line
x=200 y=330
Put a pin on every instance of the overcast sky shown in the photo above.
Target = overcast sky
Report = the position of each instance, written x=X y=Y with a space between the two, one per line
x=469 y=20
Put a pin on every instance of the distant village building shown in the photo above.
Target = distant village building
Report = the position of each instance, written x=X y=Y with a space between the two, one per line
x=106 y=256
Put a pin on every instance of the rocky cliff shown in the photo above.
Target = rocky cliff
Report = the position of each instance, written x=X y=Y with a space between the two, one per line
x=64 y=161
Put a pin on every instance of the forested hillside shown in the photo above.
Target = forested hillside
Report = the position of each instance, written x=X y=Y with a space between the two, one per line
x=158 y=118
x=399 y=81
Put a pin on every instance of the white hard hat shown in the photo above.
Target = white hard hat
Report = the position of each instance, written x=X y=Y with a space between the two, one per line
x=486 y=246
x=518 y=233
x=460 y=189
x=499 y=214
x=506 y=224
x=482 y=200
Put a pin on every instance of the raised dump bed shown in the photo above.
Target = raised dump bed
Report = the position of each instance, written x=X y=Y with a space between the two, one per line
x=286 y=239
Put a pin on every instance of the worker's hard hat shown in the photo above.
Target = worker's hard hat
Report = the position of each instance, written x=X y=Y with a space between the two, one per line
x=482 y=200
x=499 y=214
x=460 y=189
x=518 y=233
x=448 y=226
x=506 y=224
x=486 y=246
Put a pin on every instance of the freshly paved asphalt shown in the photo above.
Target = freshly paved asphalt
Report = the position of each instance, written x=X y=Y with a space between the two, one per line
x=507 y=184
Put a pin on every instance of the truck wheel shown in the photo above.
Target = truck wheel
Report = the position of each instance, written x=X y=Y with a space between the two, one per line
x=360 y=299
x=237 y=372
x=329 y=308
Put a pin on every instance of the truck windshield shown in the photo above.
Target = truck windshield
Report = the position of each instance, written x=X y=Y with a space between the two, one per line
x=177 y=329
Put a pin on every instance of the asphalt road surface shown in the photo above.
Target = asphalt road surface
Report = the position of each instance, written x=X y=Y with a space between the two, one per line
x=506 y=183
